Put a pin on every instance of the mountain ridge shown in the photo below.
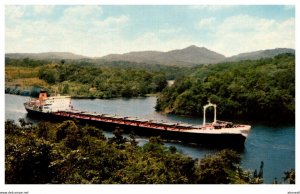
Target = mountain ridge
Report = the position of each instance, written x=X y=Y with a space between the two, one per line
x=46 y=55
x=189 y=55
x=260 y=54
x=186 y=56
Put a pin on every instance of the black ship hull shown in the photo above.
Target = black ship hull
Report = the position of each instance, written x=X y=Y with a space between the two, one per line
x=211 y=140
x=235 y=141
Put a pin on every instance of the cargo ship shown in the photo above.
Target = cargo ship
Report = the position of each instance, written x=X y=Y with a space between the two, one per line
x=217 y=133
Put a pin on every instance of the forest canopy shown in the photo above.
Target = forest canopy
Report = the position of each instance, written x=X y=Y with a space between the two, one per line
x=261 y=89
x=57 y=153
x=89 y=79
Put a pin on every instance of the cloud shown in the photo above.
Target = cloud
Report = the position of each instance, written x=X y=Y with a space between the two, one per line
x=82 y=12
x=79 y=29
x=211 y=8
x=246 y=24
x=14 y=12
x=89 y=19
x=289 y=7
x=111 y=21
x=169 y=30
x=43 y=9
x=206 y=22
x=244 y=33
x=17 y=12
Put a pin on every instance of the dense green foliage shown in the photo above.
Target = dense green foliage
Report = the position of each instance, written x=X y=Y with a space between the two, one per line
x=68 y=153
x=26 y=62
x=88 y=78
x=262 y=89
x=290 y=176
x=103 y=82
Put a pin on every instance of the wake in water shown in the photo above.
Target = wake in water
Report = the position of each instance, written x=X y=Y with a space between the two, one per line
x=17 y=110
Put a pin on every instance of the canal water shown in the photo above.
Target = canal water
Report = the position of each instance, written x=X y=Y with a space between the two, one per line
x=275 y=145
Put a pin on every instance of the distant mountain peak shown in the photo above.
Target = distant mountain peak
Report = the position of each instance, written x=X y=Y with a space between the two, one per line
x=189 y=55
x=192 y=46
x=195 y=47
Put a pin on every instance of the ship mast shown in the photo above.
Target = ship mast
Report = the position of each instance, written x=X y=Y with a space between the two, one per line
x=204 y=112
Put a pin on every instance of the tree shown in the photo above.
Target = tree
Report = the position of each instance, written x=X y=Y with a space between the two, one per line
x=220 y=168
x=261 y=170
x=289 y=176
x=73 y=154
x=49 y=75
x=66 y=88
x=258 y=178
x=118 y=138
x=28 y=161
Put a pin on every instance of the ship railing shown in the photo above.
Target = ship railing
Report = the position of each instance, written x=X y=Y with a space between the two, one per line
x=221 y=122
x=142 y=120
x=128 y=120
x=185 y=125
x=233 y=125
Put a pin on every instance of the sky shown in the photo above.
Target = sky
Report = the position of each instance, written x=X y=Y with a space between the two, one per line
x=98 y=30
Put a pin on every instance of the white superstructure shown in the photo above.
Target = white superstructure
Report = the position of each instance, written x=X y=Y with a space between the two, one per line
x=57 y=103
x=46 y=104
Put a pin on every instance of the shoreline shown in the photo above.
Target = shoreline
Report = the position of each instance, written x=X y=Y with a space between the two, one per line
x=22 y=92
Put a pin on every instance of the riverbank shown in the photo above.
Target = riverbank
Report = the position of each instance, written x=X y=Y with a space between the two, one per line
x=28 y=92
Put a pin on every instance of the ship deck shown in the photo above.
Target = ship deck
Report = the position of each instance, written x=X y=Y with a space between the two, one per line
x=152 y=124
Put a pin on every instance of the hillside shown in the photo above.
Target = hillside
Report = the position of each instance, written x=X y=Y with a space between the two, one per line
x=261 y=89
x=189 y=55
x=260 y=54
x=45 y=56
